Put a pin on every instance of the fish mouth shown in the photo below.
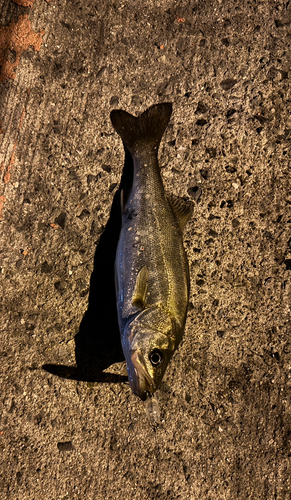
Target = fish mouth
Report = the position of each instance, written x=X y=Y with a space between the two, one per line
x=140 y=380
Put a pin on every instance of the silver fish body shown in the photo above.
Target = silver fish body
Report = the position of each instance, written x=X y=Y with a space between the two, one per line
x=152 y=277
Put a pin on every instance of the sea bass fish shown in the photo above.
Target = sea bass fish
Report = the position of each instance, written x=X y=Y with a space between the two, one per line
x=152 y=276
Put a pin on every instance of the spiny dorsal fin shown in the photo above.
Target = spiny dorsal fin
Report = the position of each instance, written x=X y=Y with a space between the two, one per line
x=141 y=288
x=183 y=209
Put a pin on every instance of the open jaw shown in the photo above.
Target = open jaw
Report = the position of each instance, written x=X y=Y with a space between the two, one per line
x=140 y=380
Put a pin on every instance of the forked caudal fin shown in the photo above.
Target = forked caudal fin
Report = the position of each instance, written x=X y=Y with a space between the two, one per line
x=147 y=128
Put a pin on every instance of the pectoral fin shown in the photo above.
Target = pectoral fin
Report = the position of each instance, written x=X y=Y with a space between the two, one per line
x=183 y=209
x=140 y=289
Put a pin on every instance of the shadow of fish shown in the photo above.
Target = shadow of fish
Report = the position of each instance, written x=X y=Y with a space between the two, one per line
x=152 y=276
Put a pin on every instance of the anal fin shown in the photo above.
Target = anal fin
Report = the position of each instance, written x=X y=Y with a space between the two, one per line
x=183 y=209
x=140 y=289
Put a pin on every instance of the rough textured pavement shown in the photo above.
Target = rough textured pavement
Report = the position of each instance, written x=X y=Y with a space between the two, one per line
x=69 y=426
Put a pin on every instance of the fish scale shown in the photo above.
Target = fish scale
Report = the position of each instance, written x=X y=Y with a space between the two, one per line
x=161 y=243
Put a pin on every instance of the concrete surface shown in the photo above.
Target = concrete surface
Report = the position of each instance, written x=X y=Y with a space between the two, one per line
x=70 y=428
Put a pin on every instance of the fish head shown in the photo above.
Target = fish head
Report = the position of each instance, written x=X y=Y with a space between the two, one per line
x=147 y=350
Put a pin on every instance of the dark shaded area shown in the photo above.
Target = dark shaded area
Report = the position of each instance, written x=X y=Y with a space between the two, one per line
x=98 y=340
x=61 y=220
x=195 y=193
x=228 y=83
x=65 y=446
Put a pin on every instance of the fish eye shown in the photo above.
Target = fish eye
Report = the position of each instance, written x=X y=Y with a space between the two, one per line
x=156 y=357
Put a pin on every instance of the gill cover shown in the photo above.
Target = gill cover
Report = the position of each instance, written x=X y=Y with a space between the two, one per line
x=149 y=344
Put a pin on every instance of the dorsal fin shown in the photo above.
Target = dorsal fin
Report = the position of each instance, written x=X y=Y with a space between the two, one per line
x=183 y=209
x=141 y=288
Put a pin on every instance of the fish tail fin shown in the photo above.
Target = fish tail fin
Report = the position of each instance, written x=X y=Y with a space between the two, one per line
x=148 y=128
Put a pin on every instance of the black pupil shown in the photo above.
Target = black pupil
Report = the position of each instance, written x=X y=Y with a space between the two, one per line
x=156 y=358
